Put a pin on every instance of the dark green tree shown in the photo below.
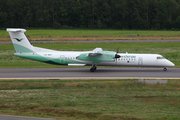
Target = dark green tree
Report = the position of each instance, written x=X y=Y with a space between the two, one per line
x=103 y=14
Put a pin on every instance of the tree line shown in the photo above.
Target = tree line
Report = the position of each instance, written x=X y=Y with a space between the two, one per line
x=91 y=14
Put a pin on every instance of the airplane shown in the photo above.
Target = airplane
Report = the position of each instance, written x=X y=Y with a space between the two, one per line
x=94 y=58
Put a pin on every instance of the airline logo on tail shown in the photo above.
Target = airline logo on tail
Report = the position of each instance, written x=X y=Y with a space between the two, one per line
x=19 y=40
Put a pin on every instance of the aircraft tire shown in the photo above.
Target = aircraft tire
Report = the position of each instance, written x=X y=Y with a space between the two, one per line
x=165 y=69
x=92 y=69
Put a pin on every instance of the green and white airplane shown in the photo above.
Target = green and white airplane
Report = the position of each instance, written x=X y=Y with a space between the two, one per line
x=94 y=58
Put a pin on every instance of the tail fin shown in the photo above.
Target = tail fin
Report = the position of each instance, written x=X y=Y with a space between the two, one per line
x=20 y=41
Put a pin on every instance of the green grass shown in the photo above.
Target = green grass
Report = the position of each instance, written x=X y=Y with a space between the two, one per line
x=168 y=50
x=91 y=33
x=87 y=100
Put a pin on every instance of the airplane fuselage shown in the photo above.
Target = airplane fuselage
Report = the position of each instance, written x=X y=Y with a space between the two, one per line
x=70 y=58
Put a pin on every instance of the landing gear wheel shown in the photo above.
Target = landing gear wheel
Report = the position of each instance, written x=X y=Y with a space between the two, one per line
x=165 y=69
x=93 y=68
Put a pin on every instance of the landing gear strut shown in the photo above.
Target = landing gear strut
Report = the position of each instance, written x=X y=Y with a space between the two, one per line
x=93 y=68
x=165 y=69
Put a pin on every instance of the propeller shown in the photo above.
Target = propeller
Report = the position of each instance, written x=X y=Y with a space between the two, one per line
x=116 y=55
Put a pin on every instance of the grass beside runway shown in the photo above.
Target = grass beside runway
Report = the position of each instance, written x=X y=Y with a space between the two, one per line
x=89 y=78
x=169 y=50
x=92 y=33
x=86 y=100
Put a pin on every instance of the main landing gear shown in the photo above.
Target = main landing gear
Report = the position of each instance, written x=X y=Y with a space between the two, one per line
x=93 y=68
x=165 y=69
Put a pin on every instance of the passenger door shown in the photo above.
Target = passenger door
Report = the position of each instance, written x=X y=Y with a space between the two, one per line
x=62 y=59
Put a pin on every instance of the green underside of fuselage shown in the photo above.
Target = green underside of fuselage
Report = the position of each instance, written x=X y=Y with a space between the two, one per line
x=49 y=60
x=36 y=57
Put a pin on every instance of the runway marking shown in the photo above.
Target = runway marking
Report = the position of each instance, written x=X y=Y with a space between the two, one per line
x=87 y=78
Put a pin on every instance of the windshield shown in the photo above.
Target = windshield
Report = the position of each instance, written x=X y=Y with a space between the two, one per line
x=160 y=57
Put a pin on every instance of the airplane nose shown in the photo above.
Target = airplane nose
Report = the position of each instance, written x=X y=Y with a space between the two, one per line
x=171 y=64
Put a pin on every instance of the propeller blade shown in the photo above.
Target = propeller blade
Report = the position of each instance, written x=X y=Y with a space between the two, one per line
x=117 y=50
x=116 y=55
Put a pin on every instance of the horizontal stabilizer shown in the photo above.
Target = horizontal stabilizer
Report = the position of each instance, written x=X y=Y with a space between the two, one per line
x=15 y=30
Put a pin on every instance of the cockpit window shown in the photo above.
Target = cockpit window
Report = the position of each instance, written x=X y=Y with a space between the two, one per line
x=160 y=58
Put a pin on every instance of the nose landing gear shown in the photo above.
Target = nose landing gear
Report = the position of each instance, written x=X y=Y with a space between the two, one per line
x=165 y=69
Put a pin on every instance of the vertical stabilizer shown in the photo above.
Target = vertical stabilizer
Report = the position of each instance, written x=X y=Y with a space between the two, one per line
x=20 y=41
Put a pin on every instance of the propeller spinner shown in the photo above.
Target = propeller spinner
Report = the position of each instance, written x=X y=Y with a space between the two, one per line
x=117 y=56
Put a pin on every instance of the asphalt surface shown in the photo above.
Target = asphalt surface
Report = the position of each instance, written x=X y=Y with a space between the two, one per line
x=7 y=117
x=82 y=73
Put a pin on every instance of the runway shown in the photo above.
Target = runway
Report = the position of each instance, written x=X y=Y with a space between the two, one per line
x=9 y=117
x=84 y=73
